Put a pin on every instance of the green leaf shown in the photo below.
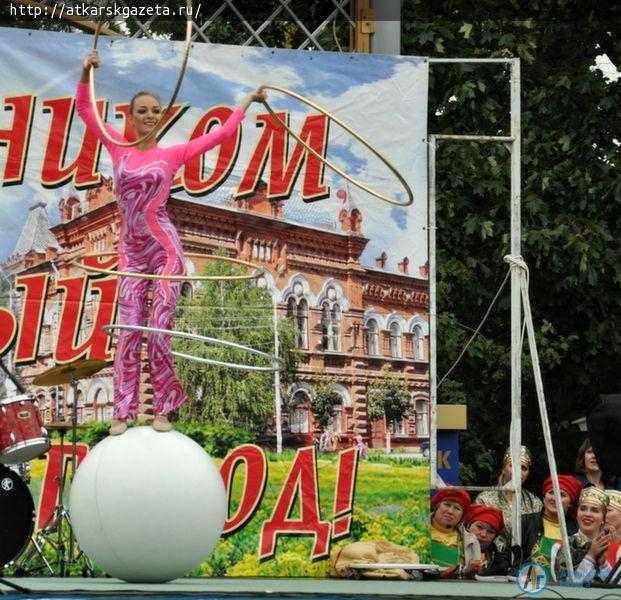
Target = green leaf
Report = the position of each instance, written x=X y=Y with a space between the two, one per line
x=466 y=29
x=487 y=229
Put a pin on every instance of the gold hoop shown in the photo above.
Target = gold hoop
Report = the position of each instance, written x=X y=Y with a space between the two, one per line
x=160 y=123
x=326 y=162
x=236 y=261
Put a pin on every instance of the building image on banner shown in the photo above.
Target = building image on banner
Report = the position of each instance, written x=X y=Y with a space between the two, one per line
x=315 y=457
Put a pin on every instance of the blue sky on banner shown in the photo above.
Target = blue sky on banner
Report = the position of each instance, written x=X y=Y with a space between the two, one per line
x=384 y=98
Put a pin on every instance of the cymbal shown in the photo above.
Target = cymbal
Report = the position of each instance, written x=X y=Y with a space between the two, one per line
x=78 y=369
x=62 y=426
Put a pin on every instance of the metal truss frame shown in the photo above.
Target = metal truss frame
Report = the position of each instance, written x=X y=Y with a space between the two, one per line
x=335 y=11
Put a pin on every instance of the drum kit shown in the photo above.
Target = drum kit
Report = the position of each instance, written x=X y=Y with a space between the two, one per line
x=23 y=437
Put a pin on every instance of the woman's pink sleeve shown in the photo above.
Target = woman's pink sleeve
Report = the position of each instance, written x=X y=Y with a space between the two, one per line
x=182 y=153
x=85 y=110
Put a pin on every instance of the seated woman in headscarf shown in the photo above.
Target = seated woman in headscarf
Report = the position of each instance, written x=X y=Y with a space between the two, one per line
x=593 y=552
x=613 y=514
x=451 y=545
x=542 y=530
x=503 y=499
x=487 y=523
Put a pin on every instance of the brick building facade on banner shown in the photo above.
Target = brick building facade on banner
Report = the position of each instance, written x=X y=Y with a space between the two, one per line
x=353 y=320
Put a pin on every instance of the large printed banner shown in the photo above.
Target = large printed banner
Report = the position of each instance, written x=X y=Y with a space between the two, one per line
x=345 y=271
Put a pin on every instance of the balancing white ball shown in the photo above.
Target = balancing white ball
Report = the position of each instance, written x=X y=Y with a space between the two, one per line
x=147 y=506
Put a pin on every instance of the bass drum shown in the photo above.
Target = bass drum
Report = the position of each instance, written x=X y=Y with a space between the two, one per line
x=17 y=516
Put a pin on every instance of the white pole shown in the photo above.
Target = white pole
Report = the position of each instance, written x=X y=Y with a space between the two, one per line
x=431 y=253
x=516 y=309
x=277 y=398
x=11 y=390
x=545 y=423
x=387 y=36
x=55 y=333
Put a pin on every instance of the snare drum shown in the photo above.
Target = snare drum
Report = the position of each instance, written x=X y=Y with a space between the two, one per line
x=17 y=516
x=22 y=436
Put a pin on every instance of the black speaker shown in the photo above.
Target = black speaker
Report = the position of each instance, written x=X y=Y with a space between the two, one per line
x=604 y=427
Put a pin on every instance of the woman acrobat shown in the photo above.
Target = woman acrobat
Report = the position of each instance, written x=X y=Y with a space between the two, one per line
x=149 y=244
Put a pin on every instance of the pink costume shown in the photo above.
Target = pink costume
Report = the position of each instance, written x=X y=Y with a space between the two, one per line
x=148 y=243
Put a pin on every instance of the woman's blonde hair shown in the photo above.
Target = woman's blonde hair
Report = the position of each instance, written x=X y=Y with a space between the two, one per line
x=142 y=93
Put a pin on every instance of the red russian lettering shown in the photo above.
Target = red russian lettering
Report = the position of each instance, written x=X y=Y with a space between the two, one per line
x=194 y=180
x=255 y=480
x=302 y=486
x=8 y=330
x=53 y=469
x=97 y=343
x=344 y=493
x=283 y=173
x=17 y=137
x=83 y=170
x=33 y=309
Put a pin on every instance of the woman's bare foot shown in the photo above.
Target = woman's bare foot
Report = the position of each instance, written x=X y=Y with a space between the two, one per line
x=161 y=423
x=118 y=427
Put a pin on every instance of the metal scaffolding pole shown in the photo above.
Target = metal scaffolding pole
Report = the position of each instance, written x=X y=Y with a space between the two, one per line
x=512 y=143
x=519 y=294
x=436 y=483
x=277 y=396
x=516 y=307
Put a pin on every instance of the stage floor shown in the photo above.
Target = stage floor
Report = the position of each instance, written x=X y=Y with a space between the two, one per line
x=324 y=588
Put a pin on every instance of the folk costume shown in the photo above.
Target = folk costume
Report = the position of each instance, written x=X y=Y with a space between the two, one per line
x=502 y=500
x=453 y=547
x=585 y=568
x=540 y=532
x=495 y=561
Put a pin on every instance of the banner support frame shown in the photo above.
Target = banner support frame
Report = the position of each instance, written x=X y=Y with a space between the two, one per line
x=513 y=144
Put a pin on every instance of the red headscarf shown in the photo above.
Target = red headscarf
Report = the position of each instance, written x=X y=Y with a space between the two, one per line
x=567 y=483
x=488 y=514
x=460 y=496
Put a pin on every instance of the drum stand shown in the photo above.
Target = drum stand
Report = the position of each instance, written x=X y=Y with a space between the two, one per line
x=58 y=524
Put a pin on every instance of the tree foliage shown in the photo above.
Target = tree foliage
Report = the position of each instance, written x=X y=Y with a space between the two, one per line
x=324 y=401
x=571 y=196
x=388 y=398
x=239 y=312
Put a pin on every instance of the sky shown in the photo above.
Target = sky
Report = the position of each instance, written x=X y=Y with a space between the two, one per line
x=383 y=98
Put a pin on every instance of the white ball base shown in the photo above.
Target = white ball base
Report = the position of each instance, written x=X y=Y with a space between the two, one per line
x=147 y=506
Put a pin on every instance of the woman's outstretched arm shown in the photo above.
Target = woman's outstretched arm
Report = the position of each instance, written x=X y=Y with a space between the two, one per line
x=182 y=153
x=84 y=106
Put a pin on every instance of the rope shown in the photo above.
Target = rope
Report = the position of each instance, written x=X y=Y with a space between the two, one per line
x=517 y=262
x=476 y=331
